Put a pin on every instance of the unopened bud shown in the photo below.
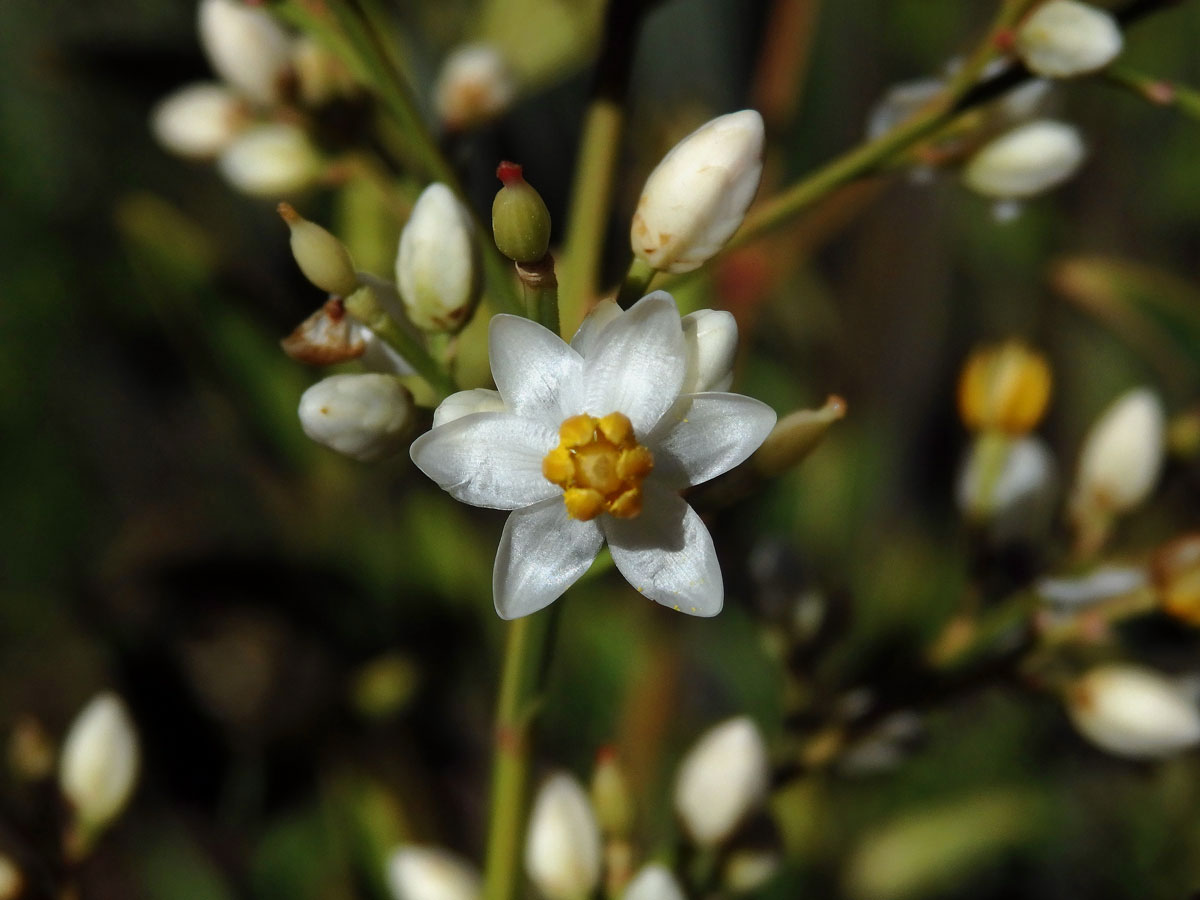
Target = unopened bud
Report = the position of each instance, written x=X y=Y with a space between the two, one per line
x=1133 y=711
x=246 y=47
x=271 y=160
x=437 y=269
x=30 y=750
x=99 y=762
x=1025 y=161
x=465 y=403
x=711 y=336
x=430 y=873
x=363 y=416
x=1175 y=569
x=563 y=850
x=198 y=121
x=696 y=198
x=520 y=220
x=1004 y=387
x=1011 y=484
x=320 y=75
x=795 y=436
x=654 y=882
x=1063 y=38
x=722 y=779
x=322 y=258
x=475 y=85
x=610 y=795
x=749 y=868
x=1122 y=455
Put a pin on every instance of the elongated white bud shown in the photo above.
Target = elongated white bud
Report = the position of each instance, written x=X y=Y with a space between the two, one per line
x=246 y=47
x=437 y=268
x=1008 y=483
x=1026 y=161
x=654 y=882
x=1063 y=38
x=722 y=779
x=271 y=161
x=365 y=417
x=711 y=336
x=1122 y=454
x=563 y=849
x=475 y=84
x=198 y=121
x=1134 y=712
x=99 y=762
x=430 y=873
x=322 y=258
x=696 y=198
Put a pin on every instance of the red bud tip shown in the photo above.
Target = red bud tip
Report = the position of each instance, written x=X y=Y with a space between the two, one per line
x=287 y=213
x=509 y=173
x=1005 y=39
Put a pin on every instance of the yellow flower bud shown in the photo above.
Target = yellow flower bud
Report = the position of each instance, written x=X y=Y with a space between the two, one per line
x=1004 y=387
x=322 y=258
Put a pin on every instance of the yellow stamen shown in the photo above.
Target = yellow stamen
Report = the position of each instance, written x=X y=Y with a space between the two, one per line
x=600 y=466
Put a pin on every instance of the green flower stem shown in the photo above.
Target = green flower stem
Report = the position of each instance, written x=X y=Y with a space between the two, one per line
x=540 y=285
x=365 y=306
x=1010 y=14
x=637 y=281
x=526 y=657
x=1156 y=90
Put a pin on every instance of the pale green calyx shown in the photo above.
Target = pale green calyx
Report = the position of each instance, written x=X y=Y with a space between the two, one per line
x=322 y=258
x=520 y=220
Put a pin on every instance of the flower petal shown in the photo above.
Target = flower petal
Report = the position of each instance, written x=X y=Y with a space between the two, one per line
x=536 y=373
x=488 y=459
x=711 y=336
x=593 y=324
x=464 y=403
x=639 y=363
x=668 y=554
x=542 y=553
x=705 y=435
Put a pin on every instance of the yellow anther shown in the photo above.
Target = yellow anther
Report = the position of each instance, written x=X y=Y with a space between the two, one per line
x=599 y=465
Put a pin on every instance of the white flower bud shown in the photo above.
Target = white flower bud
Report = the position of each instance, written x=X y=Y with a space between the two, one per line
x=563 y=849
x=711 y=336
x=1064 y=38
x=437 y=269
x=1122 y=454
x=475 y=84
x=654 y=882
x=1025 y=161
x=365 y=417
x=1009 y=483
x=246 y=47
x=323 y=259
x=464 y=403
x=198 y=121
x=99 y=762
x=270 y=161
x=1134 y=712
x=430 y=873
x=696 y=198
x=721 y=780
x=320 y=75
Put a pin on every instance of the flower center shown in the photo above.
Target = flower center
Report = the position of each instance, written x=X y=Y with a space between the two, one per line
x=599 y=465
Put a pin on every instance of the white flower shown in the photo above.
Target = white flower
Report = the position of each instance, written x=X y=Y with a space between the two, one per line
x=437 y=269
x=99 y=762
x=595 y=441
x=654 y=882
x=1133 y=711
x=430 y=873
x=364 y=416
x=270 y=160
x=199 y=120
x=697 y=196
x=474 y=85
x=721 y=780
x=563 y=848
x=1122 y=454
x=1064 y=38
x=246 y=47
x=1026 y=160
x=1010 y=484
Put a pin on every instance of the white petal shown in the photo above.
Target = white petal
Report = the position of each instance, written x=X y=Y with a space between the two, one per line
x=711 y=336
x=464 y=403
x=536 y=372
x=542 y=553
x=488 y=459
x=595 y=322
x=705 y=435
x=668 y=554
x=639 y=365
x=654 y=882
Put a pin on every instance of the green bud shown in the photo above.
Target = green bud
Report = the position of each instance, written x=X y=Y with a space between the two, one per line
x=520 y=220
x=322 y=258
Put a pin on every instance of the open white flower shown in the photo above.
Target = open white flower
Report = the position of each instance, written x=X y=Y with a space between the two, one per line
x=594 y=443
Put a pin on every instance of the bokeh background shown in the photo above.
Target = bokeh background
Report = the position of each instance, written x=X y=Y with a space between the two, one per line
x=307 y=644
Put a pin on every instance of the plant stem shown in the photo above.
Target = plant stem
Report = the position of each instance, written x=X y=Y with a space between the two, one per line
x=365 y=306
x=526 y=657
x=540 y=285
x=637 y=280
x=1158 y=91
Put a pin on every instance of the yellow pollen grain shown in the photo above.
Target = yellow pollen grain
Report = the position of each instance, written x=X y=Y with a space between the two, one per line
x=599 y=465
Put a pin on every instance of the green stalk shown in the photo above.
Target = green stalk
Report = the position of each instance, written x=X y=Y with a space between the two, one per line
x=637 y=281
x=365 y=306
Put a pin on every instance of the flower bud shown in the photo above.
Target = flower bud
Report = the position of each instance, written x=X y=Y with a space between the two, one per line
x=610 y=795
x=1133 y=711
x=320 y=75
x=795 y=436
x=1176 y=572
x=270 y=161
x=475 y=84
x=520 y=220
x=1122 y=455
x=1064 y=38
x=1010 y=484
x=1004 y=387
x=99 y=762
x=430 y=873
x=465 y=403
x=365 y=417
x=711 y=336
x=696 y=198
x=721 y=780
x=322 y=258
x=1025 y=161
x=246 y=48
x=749 y=868
x=654 y=882
x=437 y=269
x=563 y=850
x=199 y=120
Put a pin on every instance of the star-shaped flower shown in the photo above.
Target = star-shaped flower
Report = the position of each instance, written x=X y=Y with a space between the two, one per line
x=592 y=442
